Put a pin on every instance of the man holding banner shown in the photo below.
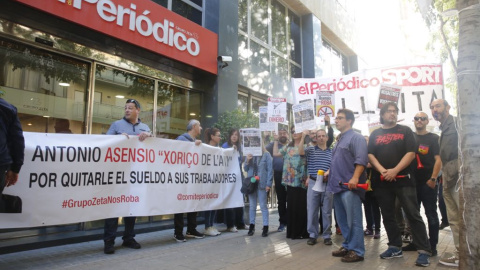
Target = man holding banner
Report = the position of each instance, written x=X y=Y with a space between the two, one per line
x=194 y=129
x=129 y=125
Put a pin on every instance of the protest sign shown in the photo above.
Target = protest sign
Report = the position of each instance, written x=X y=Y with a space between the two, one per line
x=76 y=178
x=277 y=110
x=251 y=141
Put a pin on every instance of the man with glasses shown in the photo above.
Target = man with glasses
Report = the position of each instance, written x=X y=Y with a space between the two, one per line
x=426 y=171
x=280 y=189
x=349 y=160
x=391 y=150
x=449 y=156
x=130 y=124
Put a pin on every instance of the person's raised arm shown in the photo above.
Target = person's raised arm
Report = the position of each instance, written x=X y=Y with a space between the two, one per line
x=276 y=153
x=301 y=148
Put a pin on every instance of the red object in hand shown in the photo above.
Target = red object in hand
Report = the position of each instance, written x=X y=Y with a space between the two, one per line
x=257 y=178
x=419 y=163
x=396 y=177
x=364 y=186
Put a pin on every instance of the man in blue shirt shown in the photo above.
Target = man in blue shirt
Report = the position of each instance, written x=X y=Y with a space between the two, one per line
x=130 y=124
x=319 y=157
x=349 y=159
x=194 y=129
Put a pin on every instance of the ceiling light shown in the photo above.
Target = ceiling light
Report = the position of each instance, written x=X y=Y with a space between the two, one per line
x=192 y=114
x=119 y=96
x=64 y=84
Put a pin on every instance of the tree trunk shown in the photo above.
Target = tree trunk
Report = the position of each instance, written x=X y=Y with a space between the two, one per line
x=468 y=77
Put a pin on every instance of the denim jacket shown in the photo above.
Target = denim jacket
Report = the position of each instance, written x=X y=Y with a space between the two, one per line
x=264 y=171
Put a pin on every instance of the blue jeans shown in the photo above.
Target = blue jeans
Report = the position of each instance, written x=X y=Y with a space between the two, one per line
x=315 y=200
x=428 y=197
x=210 y=218
x=348 y=207
x=261 y=194
x=111 y=226
x=407 y=197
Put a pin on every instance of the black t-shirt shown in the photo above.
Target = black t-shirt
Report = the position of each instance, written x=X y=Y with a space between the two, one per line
x=389 y=146
x=427 y=149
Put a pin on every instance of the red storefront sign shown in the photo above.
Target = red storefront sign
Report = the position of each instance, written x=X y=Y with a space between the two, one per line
x=142 y=23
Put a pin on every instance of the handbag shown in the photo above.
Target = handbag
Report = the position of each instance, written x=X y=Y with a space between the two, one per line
x=249 y=186
x=13 y=204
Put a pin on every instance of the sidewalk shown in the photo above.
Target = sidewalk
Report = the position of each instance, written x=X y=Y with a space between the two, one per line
x=226 y=251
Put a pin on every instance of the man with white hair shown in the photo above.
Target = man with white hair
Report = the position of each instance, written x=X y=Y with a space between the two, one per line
x=194 y=129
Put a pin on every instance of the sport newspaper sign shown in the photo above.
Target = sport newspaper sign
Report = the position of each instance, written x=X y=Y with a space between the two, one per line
x=76 y=178
x=360 y=91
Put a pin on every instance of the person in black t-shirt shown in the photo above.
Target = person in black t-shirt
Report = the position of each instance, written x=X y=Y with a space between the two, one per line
x=391 y=150
x=428 y=165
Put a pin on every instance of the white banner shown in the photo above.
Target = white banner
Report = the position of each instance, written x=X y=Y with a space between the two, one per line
x=360 y=91
x=76 y=178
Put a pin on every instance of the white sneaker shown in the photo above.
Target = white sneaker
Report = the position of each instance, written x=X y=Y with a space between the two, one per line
x=450 y=261
x=216 y=231
x=232 y=229
x=210 y=231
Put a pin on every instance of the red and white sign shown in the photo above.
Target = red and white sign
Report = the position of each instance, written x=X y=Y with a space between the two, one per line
x=277 y=109
x=388 y=93
x=142 y=23
x=360 y=91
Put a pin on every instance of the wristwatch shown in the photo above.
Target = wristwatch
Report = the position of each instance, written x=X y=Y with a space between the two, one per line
x=433 y=179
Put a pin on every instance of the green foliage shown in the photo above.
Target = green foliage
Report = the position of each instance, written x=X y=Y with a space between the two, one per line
x=443 y=36
x=235 y=119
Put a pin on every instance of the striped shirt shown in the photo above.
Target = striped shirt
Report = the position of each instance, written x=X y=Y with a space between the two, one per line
x=317 y=159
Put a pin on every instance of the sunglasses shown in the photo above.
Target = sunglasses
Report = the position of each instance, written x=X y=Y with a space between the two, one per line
x=420 y=118
x=137 y=104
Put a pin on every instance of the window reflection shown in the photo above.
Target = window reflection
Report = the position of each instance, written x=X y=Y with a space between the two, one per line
x=175 y=107
x=112 y=89
x=242 y=103
x=44 y=86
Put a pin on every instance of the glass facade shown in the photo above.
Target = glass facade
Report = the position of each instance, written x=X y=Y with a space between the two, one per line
x=190 y=9
x=54 y=89
x=48 y=89
x=269 y=46
x=334 y=63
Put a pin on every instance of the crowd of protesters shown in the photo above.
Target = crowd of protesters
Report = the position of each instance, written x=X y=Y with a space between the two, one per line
x=392 y=173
